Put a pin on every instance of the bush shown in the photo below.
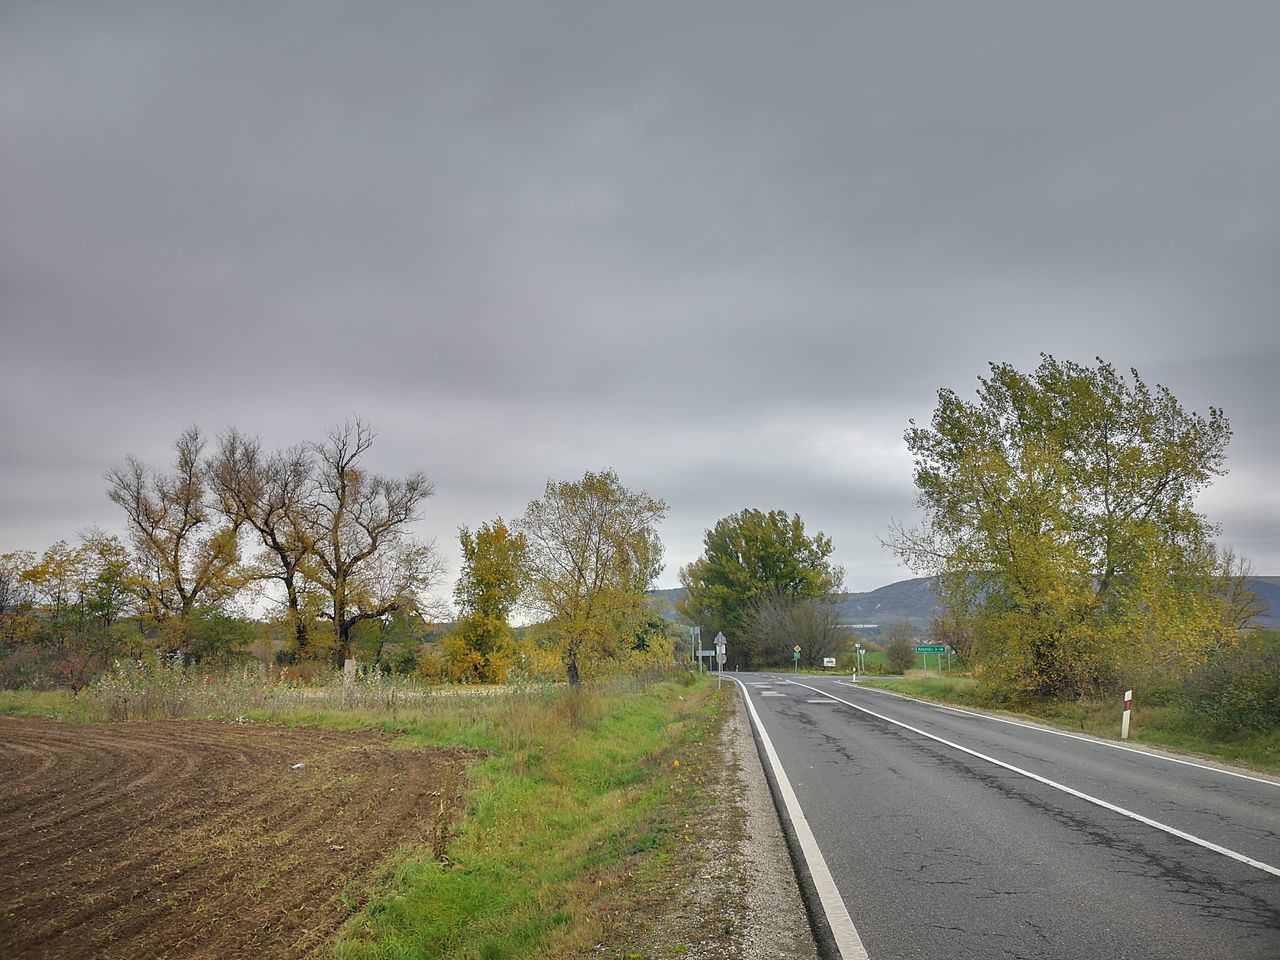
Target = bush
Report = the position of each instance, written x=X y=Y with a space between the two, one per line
x=1240 y=689
x=901 y=654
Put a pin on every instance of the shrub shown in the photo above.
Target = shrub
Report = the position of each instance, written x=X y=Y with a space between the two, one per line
x=1240 y=689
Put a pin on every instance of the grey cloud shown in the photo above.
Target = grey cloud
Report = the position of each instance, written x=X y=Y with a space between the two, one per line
x=728 y=249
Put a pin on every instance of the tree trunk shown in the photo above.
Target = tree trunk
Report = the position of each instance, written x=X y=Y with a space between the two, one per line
x=571 y=668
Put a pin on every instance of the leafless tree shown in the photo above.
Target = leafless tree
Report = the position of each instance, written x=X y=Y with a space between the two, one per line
x=270 y=493
x=778 y=624
x=355 y=521
x=1241 y=604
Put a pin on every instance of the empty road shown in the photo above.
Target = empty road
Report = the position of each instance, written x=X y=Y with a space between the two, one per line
x=951 y=835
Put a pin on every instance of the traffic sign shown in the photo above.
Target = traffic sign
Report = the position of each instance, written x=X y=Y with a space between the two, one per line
x=796 y=648
x=931 y=648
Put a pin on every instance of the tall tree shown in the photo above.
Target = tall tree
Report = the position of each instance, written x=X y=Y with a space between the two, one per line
x=492 y=579
x=270 y=493
x=357 y=522
x=593 y=551
x=187 y=551
x=750 y=557
x=1059 y=509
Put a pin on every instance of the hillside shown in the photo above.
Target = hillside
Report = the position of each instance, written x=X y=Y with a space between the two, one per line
x=915 y=601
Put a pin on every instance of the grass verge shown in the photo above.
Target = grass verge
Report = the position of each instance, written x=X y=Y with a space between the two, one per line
x=1165 y=725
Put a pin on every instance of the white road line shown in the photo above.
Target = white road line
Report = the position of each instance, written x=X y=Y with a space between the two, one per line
x=1174 y=831
x=1071 y=736
x=843 y=931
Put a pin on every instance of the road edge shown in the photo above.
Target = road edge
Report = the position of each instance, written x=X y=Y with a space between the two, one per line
x=819 y=924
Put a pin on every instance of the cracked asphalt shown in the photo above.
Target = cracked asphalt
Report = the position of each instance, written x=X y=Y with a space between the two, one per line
x=938 y=853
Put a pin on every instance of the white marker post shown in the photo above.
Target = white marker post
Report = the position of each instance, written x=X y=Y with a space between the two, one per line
x=1124 y=720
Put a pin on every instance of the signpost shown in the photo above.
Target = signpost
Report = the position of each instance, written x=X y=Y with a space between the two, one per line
x=928 y=648
x=720 y=645
x=796 y=657
x=828 y=661
x=859 y=665
x=695 y=644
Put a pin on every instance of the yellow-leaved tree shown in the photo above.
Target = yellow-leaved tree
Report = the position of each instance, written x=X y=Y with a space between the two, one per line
x=1059 y=510
x=593 y=550
x=481 y=648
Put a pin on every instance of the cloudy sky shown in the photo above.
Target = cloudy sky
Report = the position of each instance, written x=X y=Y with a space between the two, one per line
x=728 y=249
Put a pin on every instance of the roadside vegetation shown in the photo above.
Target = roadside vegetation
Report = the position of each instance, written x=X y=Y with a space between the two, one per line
x=1229 y=714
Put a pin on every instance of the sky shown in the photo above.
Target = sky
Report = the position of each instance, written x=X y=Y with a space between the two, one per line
x=727 y=249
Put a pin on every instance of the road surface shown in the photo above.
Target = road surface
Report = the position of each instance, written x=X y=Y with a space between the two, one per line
x=953 y=835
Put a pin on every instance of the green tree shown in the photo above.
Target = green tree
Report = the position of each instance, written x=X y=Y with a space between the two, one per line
x=1059 y=511
x=751 y=558
x=593 y=551
x=79 y=595
x=492 y=579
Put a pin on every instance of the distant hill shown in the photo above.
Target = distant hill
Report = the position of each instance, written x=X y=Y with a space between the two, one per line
x=916 y=600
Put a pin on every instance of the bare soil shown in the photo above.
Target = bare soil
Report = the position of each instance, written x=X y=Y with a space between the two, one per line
x=198 y=839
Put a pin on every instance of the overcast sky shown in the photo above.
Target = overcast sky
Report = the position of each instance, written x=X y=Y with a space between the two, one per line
x=727 y=249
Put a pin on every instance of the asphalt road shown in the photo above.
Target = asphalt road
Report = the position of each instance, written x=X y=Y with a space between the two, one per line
x=938 y=853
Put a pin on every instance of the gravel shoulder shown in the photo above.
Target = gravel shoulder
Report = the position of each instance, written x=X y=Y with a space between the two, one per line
x=737 y=897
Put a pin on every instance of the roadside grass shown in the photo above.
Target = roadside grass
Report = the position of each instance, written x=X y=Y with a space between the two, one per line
x=577 y=802
x=1162 y=725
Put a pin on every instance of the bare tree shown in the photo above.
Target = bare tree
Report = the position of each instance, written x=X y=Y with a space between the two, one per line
x=187 y=550
x=778 y=623
x=1241 y=605
x=356 y=521
x=270 y=494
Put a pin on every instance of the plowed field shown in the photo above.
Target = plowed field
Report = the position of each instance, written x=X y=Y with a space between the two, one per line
x=198 y=839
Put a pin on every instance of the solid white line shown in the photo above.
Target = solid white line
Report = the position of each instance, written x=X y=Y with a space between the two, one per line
x=1071 y=736
x=842 y=929
x=1208 y=845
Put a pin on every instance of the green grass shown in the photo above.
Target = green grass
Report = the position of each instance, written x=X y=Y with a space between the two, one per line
x=1162 y=725
x=573 y=798
x=575 y=804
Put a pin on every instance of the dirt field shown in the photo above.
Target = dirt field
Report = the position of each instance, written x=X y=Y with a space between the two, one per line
x=197 y=839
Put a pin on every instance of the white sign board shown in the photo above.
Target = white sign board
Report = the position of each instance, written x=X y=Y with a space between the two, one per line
x=828 y=661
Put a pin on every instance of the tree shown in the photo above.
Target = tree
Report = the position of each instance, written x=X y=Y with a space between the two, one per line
x=900 y=648
x=593 y=551
x=778 y=623
x=270 y=493
x=750 y=556
x=186 y=551
x=1059 y=510
x=361 y=553
x=79 y=594
x=492 y=579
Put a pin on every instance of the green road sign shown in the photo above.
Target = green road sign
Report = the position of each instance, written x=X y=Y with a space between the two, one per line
x=796 y=655
x=930 y=648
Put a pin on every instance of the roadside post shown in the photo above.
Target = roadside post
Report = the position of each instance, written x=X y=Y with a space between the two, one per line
x=720 y=644
x=1124 y=720
x=796 y=657
x=858 y=665
x=928 y=648
x=695 y=644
